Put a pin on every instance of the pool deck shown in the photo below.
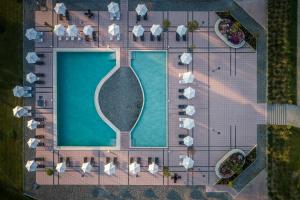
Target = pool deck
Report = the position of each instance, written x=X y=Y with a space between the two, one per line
x=227 y=112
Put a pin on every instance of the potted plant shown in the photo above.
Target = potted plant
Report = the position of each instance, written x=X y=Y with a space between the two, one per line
x=166 y=172
x=192 y=25
x=49 y=172
x=166 y=24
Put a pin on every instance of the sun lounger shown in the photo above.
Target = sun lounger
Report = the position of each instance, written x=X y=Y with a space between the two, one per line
x=118 y=15
x=181 y=96
x=181 y=143
x=60 y=16
x=134 y=37
x=159 y=38
x=27 y=95
x=139 y=160
x=41 y=144
x=40 y=166
x=27 y=88
x=177 y=37
x=39 y=159
x=40 y=82
x=40 y=74
x=41 y=126
x=181 y=126
x=151 y=37
x=181 y=90
x=39 y=119
x=181 y=106
x=111 y=16
x=143 y=38
x=68 y=161
x=180 y=63
x=39 y=136
x=67 y=38
x=94 y=36
x=72 y=38
x=115 y=161
x=146 y=16
x=61 y=159
x=182 y=135
x=149 y=160
x=67 y=15
x=111 y=37
x=138 y=17
x=39 y=63
x=156 y=160
x=184 y=37
x=40 y=55
x=118 y=37
x=107 y=160
x=131 y=160
x=93 y=163
x=181 y=113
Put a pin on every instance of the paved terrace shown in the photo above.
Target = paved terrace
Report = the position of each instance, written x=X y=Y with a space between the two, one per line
x=227 y=112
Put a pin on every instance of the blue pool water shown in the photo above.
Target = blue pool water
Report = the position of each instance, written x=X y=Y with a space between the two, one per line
x=78 y=123
x=151 y=129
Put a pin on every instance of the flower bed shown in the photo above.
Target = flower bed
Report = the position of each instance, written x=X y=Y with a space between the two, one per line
x=230 y=164
x=230 y=32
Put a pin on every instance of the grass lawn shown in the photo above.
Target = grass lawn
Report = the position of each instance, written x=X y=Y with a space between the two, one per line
x=10 y=75
x=284 y=163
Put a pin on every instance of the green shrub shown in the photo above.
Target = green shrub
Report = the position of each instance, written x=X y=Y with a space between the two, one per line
x=166 y=24
x=166 y=172
x=49 y=172
x=192 y=25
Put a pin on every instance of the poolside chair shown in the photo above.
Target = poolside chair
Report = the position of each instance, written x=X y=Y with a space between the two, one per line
x=41 y=144
x=28 y=94
x=39 y=136
x=181 y=90
x=40 y=166
x=181 y=96
x=181 y=143
x=39 y=119
x=40 y=74
x=67 y=15
x=93 y=163
x=143 y=38
x=151 y=37
x=41 y=126
x=40 y=55
x=177 y=37
x=61 y=159
x=180 y=125
x=59 y=38
x=180 y=63
x=182 y=135
x=131 y=160
x=68 y=161
x=156 y=160
x=115 y=161
x=94 y=35
x=40 y=82
x=182 y=106
x=60 y=16
x=149 y=160
x=78 y=37
x=67 y=38
x=39 y=62
x=139 y=160
x=118 y=37
x=181 y=113
x=72 y=38
x=138 y=17
x=134 y=37
x=39 y=159
x=118 y=15
x=85 y=159
x=146 y=16
x=111 y=37
x=184 y=37
x=159 y=38
x=111 y=16
x=107 y=160
x=27 y=88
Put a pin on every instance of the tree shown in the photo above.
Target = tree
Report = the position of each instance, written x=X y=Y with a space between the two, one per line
x=166 y=172
x=192 y=25
x=166 y=24
x=49 y=172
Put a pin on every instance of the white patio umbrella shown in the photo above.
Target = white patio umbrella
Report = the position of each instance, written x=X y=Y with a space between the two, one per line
x=32 y=57
x=19 y=111
x=138 y=30
x=114 y=29
x=59 y=30
x=86 y=167
x=190 y=110
x=31 y=34
x=33 y=142
x=31 y=165
x=31 y=77
x=19 y=91
x=32 y=124
x=61 y=167
x=110 y=169
x=189 y=92
x=113 y=8
x=181 y=30
x=188 y=77
x=141 y=9
x=88 y=30
x=156 y=29
x=187 y=162
x=153 y=168
x=188 y=123
x=72 y=31
x=186 y=58
x=60 y=8
x=134 y=168
x=188 y=141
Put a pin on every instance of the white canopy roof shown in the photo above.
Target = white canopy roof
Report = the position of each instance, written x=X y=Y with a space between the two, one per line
x=190 y=110
x=189 y=93
x=31 y=34
x=32 y=124
x=181 y=30
x=186 y=58
x=88 y=30
x=59 y=30
x=86 y=167
x=113 y=7
x=153 y=168
x=72 y=31
x=32 y=57
x=19 y=91
x=31 y=77
x=156 y=29
x=60 y=8
x=33 y=142
x=114 y=29
x=188 y=77
x=110 y=169
x=188 y=123
x=141 y=9
x=138 y=30
x=61 y=167
x=19 y=111
x=134 y=168
x=188 y=141
x=31 y=165
x=187 y=162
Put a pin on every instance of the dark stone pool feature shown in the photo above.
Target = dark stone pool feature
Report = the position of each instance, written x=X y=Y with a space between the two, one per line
x=121 y=99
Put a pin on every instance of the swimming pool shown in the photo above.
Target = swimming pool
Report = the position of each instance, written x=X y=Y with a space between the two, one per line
x=77 y=76
x=151 y=128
